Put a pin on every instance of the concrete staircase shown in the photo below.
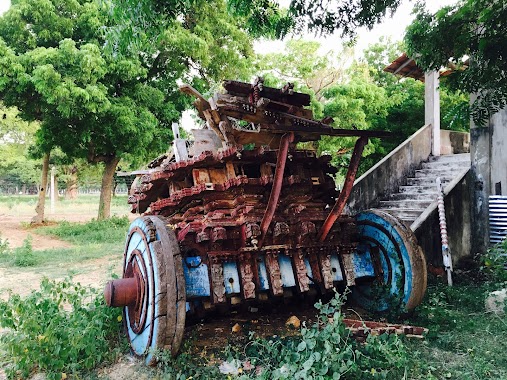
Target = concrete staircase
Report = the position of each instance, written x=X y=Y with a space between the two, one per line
x=419 y=190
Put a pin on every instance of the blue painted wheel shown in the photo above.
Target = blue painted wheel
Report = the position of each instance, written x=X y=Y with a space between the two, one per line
x=152 y=255
x=399 y=263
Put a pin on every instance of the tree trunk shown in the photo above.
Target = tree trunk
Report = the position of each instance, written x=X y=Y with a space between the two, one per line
x=106 y=188
x=71 y=192
x=39 y=209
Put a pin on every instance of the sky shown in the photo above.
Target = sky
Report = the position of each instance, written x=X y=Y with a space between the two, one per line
x=392 y=27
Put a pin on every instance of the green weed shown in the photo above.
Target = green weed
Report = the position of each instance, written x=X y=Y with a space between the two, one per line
x=109 y=230
x=325 y=350
x=465 y=342
x=4 y=246
x=24 y=256
x=494 y=262
x=64 y=328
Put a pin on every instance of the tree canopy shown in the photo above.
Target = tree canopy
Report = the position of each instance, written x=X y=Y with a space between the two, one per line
x=471 y=28
x=17 y=170
x=55 y=69
x=140 y=20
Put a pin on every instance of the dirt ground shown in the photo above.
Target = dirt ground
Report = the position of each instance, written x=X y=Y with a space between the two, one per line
x=23 y=280
x=11 y=228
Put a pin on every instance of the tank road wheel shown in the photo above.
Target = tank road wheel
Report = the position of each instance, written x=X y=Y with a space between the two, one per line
x=399 y=263
x=152 y=289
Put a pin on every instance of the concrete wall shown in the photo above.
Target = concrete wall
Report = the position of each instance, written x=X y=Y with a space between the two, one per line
x=457 y=203
x=453 y=142
x=387 y=175
x=488 y=150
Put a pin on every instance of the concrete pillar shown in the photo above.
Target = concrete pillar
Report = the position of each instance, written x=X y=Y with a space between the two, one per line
x=432 y=108
x=480 y=142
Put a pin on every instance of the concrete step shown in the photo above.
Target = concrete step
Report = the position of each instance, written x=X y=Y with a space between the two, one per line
x=404 y=213
x=450 y=165
x=427 y=181
x=451 y=158
x=434 y=173
x=406 y=204
x=421 y=196
x=418 y=189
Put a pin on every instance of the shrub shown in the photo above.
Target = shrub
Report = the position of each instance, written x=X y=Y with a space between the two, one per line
x=494 y=262
x=64 y=328
x=4 y=246
x=325 y=350
x=24 y=256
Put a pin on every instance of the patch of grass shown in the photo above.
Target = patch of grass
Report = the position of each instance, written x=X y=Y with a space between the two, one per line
x=91 y=240
x=77 y=254
x=464 y=342
x=62 y=329
x=494 y=262
x=109 y=230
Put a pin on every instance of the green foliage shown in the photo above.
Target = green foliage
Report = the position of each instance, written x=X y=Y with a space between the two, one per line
x=103 y=107
x=266 y=17
x=464 y=342
x=471 y=28
x=96 y=231
x=17 y=168
x=24 y=256
x=494 y=262
x=263 y=18
x=64 y=328
x=328 y=16
x=139 y=20
x=325 y=350
x=305 y=64
x=4 y=246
